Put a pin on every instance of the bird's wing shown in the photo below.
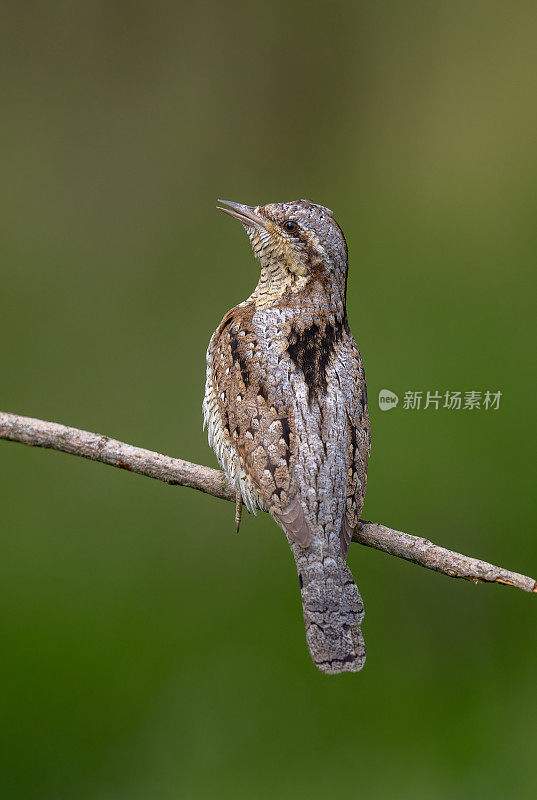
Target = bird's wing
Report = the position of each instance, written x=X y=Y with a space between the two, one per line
x=358 y=438
x=260 y=429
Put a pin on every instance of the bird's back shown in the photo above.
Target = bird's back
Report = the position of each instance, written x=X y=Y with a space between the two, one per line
x=288 y=393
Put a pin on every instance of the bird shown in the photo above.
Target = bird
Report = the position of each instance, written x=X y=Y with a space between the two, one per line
x=286 y=411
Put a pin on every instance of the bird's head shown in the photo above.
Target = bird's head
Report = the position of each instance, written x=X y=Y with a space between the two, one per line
x=299 y=239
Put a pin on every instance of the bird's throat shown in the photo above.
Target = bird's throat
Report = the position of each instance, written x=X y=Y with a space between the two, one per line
x=276 y=282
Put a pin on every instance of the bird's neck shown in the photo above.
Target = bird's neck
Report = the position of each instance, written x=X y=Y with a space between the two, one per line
x=276 y=282
x=278 y=286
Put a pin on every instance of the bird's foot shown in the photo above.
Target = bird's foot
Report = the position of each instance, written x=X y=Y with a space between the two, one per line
x=238 y=508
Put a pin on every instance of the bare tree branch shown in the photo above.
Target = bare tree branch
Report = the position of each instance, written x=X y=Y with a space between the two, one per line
x=176 y=472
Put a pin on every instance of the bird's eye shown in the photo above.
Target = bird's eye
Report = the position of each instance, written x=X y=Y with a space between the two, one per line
x=290 y=226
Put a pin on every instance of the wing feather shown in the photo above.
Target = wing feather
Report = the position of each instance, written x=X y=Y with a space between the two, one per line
x=358 y=443
x=259 y=430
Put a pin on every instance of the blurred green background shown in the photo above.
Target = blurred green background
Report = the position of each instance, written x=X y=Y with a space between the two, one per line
x=148 y=651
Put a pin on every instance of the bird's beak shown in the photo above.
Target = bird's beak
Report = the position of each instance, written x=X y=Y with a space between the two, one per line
x=245 y=214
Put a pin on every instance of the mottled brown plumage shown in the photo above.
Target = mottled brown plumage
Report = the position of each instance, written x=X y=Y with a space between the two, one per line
x=286 y=409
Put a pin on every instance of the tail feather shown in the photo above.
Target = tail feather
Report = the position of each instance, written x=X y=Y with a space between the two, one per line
x=333 y=610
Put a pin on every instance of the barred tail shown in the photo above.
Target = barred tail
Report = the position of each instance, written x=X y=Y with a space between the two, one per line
x=333 y=610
